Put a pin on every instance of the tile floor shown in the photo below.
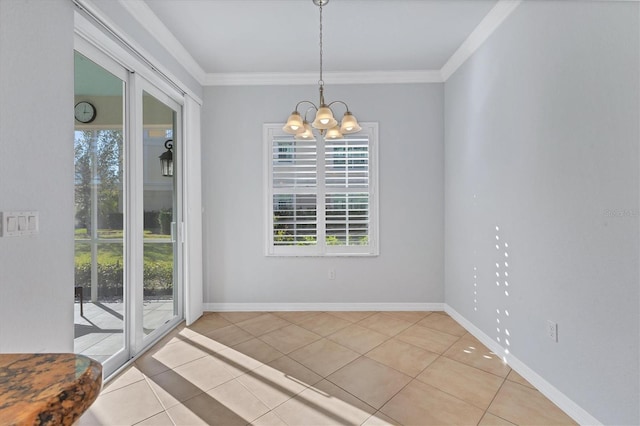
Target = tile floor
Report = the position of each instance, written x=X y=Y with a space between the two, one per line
x=321 y=368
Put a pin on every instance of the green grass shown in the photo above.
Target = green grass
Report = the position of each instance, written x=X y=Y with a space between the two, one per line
x=158 y=262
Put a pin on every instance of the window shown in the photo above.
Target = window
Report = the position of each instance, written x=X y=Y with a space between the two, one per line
x=321 y=195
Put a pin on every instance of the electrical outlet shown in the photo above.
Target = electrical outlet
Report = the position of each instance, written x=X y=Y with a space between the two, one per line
x=552 y=330
x=332 y=274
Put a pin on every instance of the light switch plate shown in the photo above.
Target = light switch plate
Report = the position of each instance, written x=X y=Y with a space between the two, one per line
x=19 y=223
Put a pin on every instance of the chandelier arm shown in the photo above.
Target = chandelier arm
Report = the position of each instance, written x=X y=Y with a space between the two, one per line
x=306 y=102
x=312 y=107
x=339 y=102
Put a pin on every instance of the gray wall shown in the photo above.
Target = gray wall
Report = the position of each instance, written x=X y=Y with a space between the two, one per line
x=541 y=140
x=410 y=266
x=36 y=167
x=36 y=173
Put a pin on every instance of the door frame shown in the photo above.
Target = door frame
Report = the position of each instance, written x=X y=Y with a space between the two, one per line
x=139 y=86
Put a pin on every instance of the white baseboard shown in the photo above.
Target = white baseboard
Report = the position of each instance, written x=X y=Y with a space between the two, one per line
x=275 y=307
x=567 y=405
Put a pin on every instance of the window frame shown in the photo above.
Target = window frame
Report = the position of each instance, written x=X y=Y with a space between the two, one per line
x=272 y=131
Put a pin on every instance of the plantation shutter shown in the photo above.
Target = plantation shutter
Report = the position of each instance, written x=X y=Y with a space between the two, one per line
x=294 y=182
x=320 y=195
x=347 y=191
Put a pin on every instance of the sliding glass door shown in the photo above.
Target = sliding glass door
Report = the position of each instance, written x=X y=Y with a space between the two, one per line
x=128 y=251
x=100 y=214
x=161 y=300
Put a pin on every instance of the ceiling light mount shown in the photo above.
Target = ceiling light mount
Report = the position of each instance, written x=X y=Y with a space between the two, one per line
x=324 y=119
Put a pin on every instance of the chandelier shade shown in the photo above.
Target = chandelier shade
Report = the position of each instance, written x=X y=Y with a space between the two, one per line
x=333 y=133
x=349 y=124
x=294 y=124
x=324 y=120
x=307 y=133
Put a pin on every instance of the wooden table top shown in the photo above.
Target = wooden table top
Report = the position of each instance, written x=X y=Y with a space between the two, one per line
x=47 y=389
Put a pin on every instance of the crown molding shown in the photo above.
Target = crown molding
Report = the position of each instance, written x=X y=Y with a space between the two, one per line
x=479 y=35
x=311 y=78
x=142 y=13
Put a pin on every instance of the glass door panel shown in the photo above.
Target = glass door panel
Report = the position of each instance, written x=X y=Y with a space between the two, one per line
x=99 y=317
x=160 y=294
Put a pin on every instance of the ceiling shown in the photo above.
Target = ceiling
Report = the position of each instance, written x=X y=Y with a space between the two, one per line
x=282 y=36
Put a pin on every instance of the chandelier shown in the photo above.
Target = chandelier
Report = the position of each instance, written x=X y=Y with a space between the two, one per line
x=324 y=120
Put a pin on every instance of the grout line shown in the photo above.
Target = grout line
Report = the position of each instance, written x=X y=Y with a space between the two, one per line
x=494 y=398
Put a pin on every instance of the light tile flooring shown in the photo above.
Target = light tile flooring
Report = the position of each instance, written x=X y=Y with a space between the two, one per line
x=321 y=368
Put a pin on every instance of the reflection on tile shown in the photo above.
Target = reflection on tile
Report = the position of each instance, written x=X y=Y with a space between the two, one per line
x=385 y=324
x=324 y=356
x=295 y=371
x=358 y=338
x=370 y=381
x=470 y=351
x=402 y=356
x=470 y=384
x=421 y=404
x=324 y=404
x=520 y=404
x=443 y=322
x=426 y=338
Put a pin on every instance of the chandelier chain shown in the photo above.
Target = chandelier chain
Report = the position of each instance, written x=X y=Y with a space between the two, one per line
x=321 y=81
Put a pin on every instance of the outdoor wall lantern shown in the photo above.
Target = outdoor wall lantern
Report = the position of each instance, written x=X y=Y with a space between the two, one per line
x=166 y=159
